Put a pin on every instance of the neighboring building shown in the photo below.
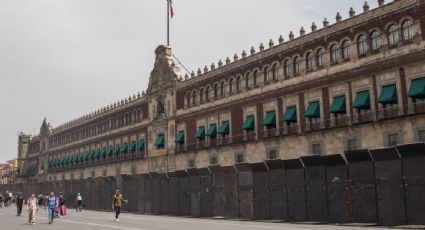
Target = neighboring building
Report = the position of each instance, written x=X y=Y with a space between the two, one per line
x=8 y=172
x=359 y=83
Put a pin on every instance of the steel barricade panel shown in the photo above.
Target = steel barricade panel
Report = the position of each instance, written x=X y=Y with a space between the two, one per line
x=261 y=191
x=231 y=205
x=389 y=185
x=205 y=192
x=147 y=193
x=296 y=190
x=315 y=184
x=278 y=193
x=245 y=183
x=156 y=193
x=218 y=195
x=363 y=198
x=183 y=193
x=163 y=181
x=173 y=193
x=195 y=192
x=413 y=162
x=337 y=188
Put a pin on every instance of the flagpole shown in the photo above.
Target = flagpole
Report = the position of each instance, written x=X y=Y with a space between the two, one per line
x=168 y=23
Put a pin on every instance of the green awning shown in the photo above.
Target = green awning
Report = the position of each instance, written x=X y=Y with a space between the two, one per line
x=140 y=145
x=290 y=114
x=160 y=140
x=87 y=156
x=103 y=152
x=313 y=110
x=338 y=105
x=224 y=128
x=388 y=94
x=270 y=119
x=362 y=100
x=42 y=165
x=110 y=151
x=200 y=134
x=81 y=157
x=132 y=147
x=98 y=153
x=417 y=88
x=180 y=137
x=124 y=148
x=249 y=123
x=212 y=130
x=117 y=150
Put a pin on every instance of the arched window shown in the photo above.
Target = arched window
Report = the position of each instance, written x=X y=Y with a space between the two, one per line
x=309 y=61
x=376 y=40
x=207 y=93
x=231 y=85
x=287 y=68
x=393 y=37
x=408 y=30
x=188 y=99
x=256 y=77
x=266 y=74
x=275 y=74
x=249 y=80
x=346 y=50
x=297 y=65
x=321 y=57
x=334 y=53
x=222 y=88
x=215 y=90
x=239 y=83
x=201 y=95
x=194 y=97
x=362 y=43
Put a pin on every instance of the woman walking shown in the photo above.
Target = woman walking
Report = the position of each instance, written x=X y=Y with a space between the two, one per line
x=62 y=205
x=32 y=208
x=79 y=202
x=117 y=200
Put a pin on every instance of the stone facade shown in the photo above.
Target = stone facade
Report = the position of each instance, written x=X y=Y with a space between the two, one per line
x=366 y=52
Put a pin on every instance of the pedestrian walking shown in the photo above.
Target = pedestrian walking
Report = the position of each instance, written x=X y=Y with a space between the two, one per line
x=117 y=200
x=32 y=208
x=62 y=204
x=79 y=202
x=52 y=205
x=46 y=202
x=40 y=199
x=19 y=203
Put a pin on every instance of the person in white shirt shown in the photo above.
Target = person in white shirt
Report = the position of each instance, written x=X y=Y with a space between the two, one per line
x=79 y=201
x=32 y=208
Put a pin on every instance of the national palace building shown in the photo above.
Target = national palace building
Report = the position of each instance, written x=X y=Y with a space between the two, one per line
x=353 y=84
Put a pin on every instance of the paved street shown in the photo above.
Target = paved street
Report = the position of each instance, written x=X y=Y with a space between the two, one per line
x=103 y=220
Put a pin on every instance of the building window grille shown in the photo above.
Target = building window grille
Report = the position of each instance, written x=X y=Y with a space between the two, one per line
x=191 y=163
x=266 y=74
x=376 y=40
x=421 y=135
x=275 y=72
x=393 y=36
x=321 y=57
x=213 y=160
x=362 y=43
x=297 y=65
x=346 y=50
x=239 y=158
x=287 y=65
x=271 y=154
x=408 y=30
x=316 y=149
x=393 y=139
x=309 y=61
x=334 y=53
x=352 y=144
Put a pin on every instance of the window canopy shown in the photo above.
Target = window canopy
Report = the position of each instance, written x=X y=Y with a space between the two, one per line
x=388 y=94
x=313 y=110
x=362 y=100
x=290 y=114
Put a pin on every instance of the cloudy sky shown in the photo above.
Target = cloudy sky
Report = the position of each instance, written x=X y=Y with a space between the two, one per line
x=63 y=58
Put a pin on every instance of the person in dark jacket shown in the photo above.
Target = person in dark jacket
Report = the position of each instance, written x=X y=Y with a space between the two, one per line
x=19 y=203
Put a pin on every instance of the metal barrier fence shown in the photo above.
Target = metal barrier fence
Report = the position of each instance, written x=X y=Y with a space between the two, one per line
x=383 y=186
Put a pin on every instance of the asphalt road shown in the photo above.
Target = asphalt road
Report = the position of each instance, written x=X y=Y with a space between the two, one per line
x=106 y=221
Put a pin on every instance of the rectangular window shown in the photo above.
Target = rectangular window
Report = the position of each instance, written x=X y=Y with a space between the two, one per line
x=421 y=135
x=93 y=174
x=271 y=154
x=104 y=172
x=213 y=160
x=316 y=149
x=191 y=163
x=118 y=172
x=239 y=158
x=352 y=144
x=393 y=139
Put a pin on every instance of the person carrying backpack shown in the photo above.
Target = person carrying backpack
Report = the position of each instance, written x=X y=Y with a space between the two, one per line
x=79 y=202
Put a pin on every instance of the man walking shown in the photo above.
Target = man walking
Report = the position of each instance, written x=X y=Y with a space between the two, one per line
x=32 y=208
x=19 y=203
x=117 y=200
x=52 y=205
